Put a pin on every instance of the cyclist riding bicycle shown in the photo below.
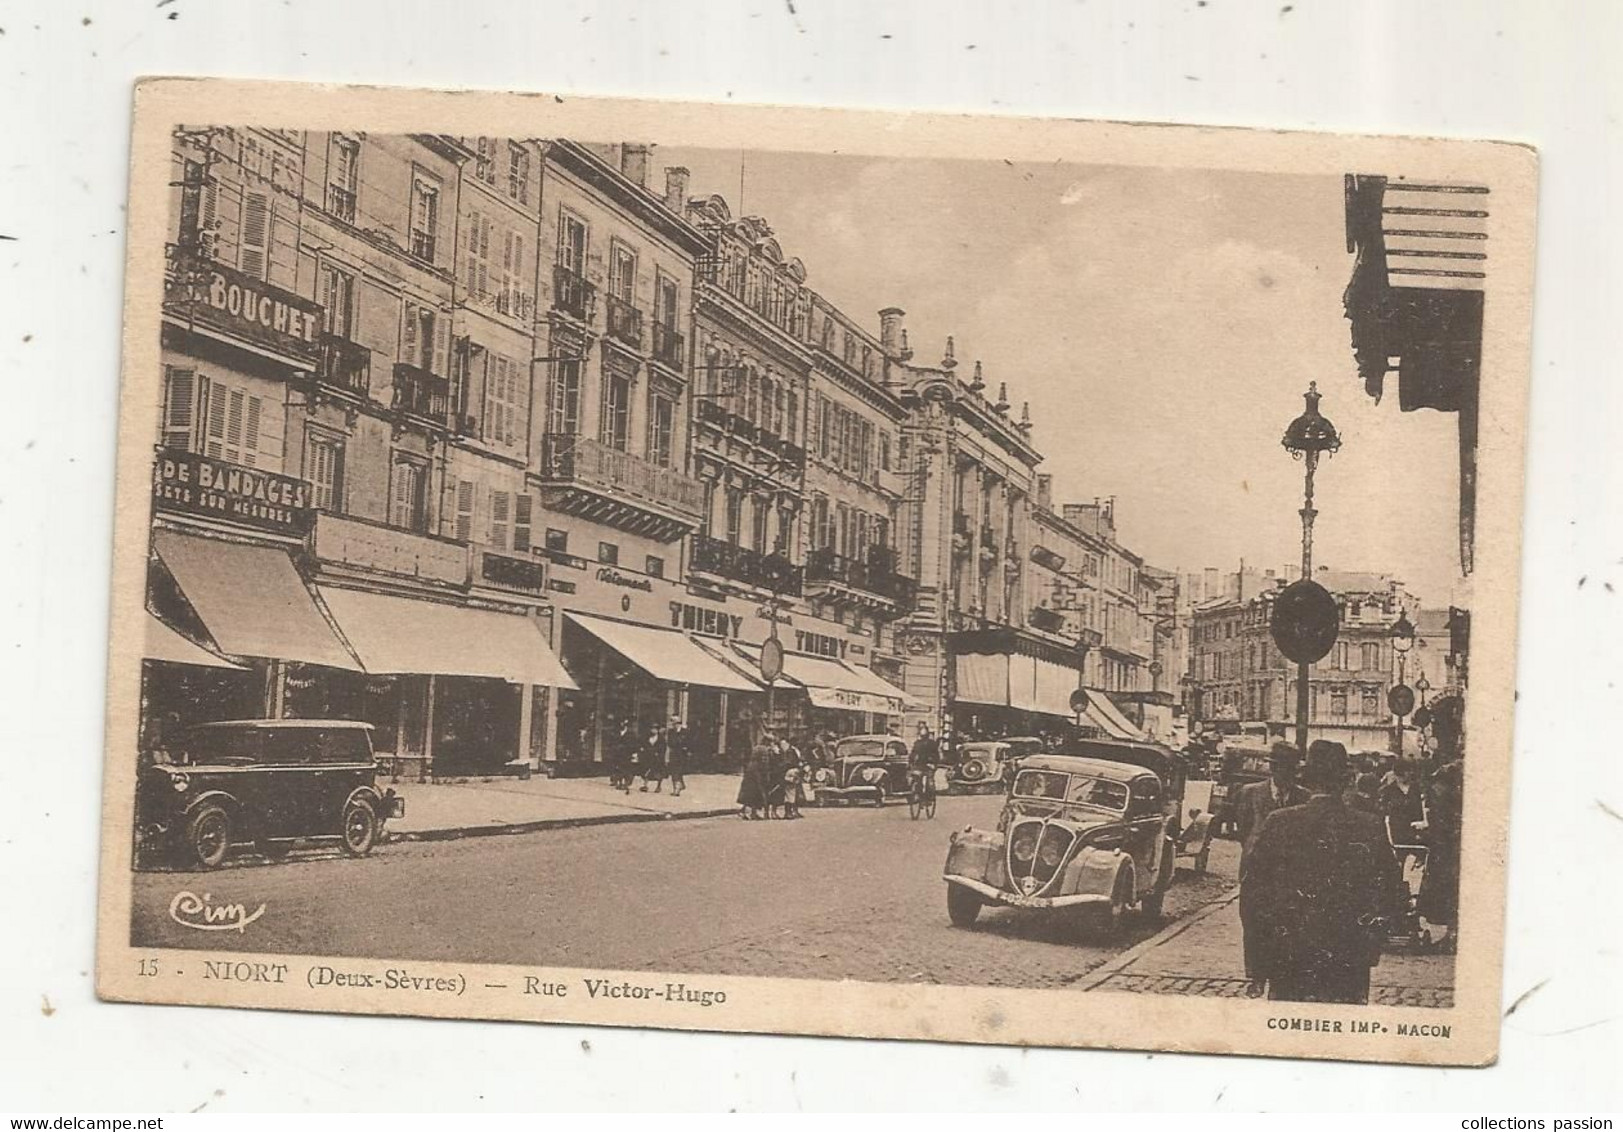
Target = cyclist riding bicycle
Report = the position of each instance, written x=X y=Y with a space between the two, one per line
x=923 y=759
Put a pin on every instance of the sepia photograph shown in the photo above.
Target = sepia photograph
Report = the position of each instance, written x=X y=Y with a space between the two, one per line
x=726 y=568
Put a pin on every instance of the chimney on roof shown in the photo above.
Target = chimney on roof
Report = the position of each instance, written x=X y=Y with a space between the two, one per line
x=892 y=338
x=634 y=162
x=676 y=188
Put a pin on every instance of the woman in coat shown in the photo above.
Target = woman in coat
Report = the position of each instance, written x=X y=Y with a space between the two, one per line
x=651 y=760
x=753 y=787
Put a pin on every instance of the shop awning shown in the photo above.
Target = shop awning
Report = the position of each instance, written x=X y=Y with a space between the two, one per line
x=983 y=678
x=831 y=683
x=1055 y=686
x=1104 y=715
x=163 y=643
x=664 y=654
x=409 y=636
x=251 y=599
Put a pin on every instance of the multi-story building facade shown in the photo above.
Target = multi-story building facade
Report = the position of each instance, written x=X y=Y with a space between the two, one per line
x=1237 y=673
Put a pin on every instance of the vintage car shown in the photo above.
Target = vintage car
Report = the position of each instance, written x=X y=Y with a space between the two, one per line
x=266 y=783
x=1091 y=830
x=865 y=767
x=980 y=760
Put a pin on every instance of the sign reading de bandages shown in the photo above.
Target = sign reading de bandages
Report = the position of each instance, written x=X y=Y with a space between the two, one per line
x=218 y=489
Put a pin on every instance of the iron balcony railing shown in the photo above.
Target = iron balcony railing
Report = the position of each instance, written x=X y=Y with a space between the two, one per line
x=668 y=345
x=584 y=462
x=345 y=365
x=624 y=321
x=421 y=393
x=877 y=575
x=571 y=293
x=422 y=244
x=768 y=571
x=341 y=203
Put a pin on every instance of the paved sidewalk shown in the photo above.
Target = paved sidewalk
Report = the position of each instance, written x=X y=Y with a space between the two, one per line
x=474 y=806
x=1202 y=956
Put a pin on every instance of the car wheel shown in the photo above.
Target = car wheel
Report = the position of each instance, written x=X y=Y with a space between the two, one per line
x=963 y=906
x=360 y=827
x=879 y=796
x=208 y=836
x=972 y=770
x=1103 y=921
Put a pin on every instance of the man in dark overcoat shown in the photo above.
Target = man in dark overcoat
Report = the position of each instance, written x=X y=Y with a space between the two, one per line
x=1319 y=890
x=1256 y=800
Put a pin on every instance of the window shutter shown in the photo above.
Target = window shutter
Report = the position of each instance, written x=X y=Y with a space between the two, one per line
x=442 y=343
x=214 y=440
x=250 y=439
x=233 y=428
x=180 y=408
x=408 y=336
x=522 y=515
x=498 y=519
x=464 y=510
x=256 y=217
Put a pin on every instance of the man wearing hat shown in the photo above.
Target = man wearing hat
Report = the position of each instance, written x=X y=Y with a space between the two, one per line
x=1257 y=800
x=1318 y=891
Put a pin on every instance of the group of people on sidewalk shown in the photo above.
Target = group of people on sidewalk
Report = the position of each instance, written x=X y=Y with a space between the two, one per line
x=655 y=755
x=1321 y=885
x=775 y=773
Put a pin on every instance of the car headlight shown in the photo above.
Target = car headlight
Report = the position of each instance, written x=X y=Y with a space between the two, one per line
x=1052 y=852
x=1025 y=845
x=180 y=782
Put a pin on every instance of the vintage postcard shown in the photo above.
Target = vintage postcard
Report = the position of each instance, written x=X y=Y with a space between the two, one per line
x=816 y=571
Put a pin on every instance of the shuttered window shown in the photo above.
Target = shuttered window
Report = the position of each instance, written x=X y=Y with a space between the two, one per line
x=478 y=249
x=324 y=469
x=505 y=398
x=406 y=499
x=523 y=518
x=182 y=394
x=253 y=255
x=231 y=429
x=464 y=510
x=500 y=515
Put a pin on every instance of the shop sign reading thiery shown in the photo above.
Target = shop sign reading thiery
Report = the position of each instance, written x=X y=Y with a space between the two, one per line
x=215 y=489
x=707 y=622
x=240 y=304
x=820 y=644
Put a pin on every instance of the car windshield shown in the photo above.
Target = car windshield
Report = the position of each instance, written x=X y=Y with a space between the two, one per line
x=218 y=746
x=871 y=748
x=1078 y=789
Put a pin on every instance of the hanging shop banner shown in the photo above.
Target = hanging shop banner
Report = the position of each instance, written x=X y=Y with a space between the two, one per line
x=202 y=291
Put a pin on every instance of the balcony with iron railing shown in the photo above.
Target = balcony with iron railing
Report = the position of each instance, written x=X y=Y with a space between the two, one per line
x=668 y=345
x=341 y=203
x=875 y=576
x=724 y=559
x=590 y=478
x=624 y=321
x=422 y=245
x=345 y=365
x=572 y=294
x=421 y=394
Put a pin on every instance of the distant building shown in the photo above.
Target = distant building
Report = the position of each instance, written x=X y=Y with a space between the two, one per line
x=1237 y=673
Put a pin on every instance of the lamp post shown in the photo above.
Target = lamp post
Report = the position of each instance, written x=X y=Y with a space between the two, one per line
x=1401 y=699
x=1308 y=437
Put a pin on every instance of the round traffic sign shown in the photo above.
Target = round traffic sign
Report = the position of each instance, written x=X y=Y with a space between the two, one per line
x=771 y=659
x=1400 y=698
x=1305 y=621
x=1079 y=701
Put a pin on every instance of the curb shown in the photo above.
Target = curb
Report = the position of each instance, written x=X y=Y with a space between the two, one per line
x=1133 y=954
x=457 y=833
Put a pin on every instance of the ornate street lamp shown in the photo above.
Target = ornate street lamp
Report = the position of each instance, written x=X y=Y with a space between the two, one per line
x=1309 y=436
x=1401 y=698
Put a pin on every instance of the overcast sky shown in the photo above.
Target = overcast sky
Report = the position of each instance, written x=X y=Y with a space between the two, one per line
x=1162 y=323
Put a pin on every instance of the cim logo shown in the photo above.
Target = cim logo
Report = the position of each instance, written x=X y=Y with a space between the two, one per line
x=190 y=910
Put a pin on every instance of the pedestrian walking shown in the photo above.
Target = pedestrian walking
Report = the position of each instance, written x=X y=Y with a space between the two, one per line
x=651 y=760
x=1404 y=805
x=622 y=754
x=1439 y=897
x=676 y=756
x=752 y=785
x=1257 y=800
x=1319 y=891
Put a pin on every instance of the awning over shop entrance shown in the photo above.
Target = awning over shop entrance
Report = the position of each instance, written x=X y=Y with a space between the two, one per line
x=251 y=599
x=163 y=643
x=664 y=654
x=1104 y=715
x=834 y=684
x=407 y=636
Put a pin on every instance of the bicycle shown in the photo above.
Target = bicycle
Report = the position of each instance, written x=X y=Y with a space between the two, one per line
x=921 y=793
